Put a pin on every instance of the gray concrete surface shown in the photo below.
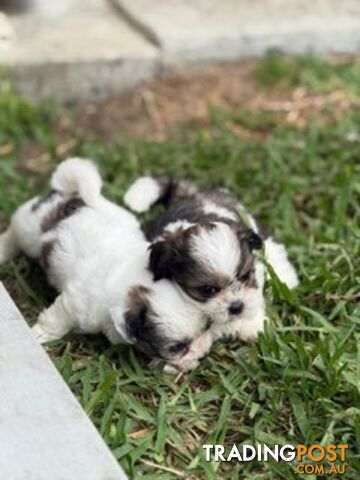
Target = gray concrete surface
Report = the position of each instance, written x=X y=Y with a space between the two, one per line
x=92 y=49
x=75 y=50
x=212 y=30
x=44 y=433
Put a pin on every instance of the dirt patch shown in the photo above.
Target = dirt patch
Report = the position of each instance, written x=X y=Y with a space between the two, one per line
x=153 y=110
x=156 y=109
x=167 y=107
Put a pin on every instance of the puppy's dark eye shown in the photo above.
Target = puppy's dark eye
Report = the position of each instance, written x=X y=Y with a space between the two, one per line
x=179 y=347
x=208 y=291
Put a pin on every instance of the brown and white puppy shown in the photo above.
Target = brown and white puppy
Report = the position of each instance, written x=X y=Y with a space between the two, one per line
x=203 y=244
x=96 y=256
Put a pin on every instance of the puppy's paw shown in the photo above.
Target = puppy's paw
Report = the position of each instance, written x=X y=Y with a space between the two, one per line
x=142 y=194
x=40 y=334
x=181 y=368
x=8 y=248
x=48 y=328
x=171 y=370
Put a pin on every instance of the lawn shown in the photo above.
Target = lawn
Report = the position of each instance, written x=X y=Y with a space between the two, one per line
x=295 y=161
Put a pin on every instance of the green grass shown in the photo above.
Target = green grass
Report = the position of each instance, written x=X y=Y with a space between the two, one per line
x=300 y=383
x=309 y=71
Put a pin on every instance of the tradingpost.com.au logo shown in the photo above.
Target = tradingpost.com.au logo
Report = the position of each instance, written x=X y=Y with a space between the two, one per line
x=313 y=459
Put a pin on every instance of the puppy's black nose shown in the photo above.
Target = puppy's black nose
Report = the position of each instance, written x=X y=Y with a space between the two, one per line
x=236 y=307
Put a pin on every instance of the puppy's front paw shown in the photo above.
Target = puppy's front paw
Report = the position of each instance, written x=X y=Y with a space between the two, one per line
x=181 y=368
x=40 y=334
x=8 y=248
x=171 y=370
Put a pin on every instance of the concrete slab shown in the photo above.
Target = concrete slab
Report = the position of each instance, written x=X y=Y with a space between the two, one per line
x=75 y=50
x=44 y=433
x=213 y=30
x=93 y=49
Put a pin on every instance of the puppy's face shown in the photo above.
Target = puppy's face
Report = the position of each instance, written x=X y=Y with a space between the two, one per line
x=213 y=264
x=161 y=324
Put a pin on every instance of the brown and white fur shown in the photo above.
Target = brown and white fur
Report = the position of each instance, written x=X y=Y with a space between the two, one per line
x=96 y=256
x=202 y=243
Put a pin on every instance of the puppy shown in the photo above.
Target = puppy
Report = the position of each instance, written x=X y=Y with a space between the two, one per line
x=96 y=256
x=205 y=242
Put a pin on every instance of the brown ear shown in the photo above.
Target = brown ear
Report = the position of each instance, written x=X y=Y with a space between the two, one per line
x=135 y=322
x=136 y=314
x=165 y=257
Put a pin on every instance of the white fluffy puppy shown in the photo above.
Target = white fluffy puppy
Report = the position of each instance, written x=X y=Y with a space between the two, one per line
x=97 y=258
x=205 y=242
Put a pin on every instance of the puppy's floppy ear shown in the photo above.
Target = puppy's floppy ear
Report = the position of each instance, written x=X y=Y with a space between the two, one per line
x=131 y=323
x=165 y=258
x=120 y=323
x=135 y=322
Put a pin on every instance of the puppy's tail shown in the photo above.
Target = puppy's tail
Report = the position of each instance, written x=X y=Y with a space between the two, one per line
x=78 y=176
x=148 y=191
x=144 y=193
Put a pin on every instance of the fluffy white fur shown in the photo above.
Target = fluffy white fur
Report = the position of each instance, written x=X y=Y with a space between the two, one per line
x=79 y=176
x=217 y=249
x=98 y=254
x=142 y=194
x=172 y=227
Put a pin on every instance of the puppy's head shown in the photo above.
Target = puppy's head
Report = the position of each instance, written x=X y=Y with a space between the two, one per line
x=214 y=265
x=160 y=323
